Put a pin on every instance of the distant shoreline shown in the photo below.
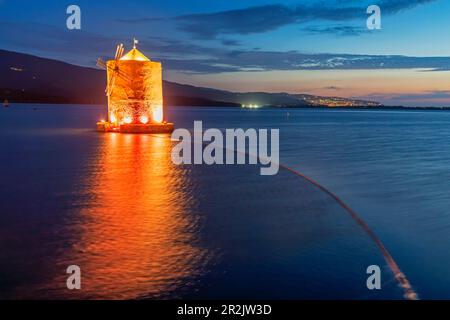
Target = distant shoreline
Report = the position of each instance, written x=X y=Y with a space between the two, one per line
x=231 y=105
x=40 y=80
x=370 y=108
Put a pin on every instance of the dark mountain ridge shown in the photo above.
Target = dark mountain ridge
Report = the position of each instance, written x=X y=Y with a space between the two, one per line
x=28 y=78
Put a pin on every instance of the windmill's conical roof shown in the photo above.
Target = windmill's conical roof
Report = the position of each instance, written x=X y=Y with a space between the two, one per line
x=135 y=54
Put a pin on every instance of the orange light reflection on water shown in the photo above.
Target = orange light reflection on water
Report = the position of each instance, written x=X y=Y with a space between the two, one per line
x=138 y=234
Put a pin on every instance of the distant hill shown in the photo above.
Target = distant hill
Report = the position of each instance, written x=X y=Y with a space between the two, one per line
x=27 y=78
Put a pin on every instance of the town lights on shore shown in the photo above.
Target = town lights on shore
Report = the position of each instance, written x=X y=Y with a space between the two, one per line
x=250 y=106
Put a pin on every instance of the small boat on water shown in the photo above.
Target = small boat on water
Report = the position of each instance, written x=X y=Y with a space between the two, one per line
x=6 y=103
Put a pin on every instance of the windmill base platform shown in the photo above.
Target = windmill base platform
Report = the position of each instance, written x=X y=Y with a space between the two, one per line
x=165 y=127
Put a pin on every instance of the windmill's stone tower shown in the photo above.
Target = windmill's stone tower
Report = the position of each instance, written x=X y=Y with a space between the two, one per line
x=135 y=98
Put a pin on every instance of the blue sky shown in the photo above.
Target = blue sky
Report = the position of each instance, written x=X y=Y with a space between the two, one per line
x=317 y=47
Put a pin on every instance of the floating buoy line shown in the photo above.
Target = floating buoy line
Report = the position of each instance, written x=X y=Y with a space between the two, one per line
x=399 y=276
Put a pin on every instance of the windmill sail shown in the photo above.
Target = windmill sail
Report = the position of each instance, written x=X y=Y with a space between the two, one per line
x=113 y=71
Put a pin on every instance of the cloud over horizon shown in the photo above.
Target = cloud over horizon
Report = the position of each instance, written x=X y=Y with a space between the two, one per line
x=188 y=57
x=266 y=18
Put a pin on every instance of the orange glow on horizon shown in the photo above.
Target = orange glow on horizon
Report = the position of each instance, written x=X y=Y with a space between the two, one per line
x=387 y=83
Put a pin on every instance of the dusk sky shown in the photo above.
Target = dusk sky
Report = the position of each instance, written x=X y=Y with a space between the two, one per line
x=315 y=47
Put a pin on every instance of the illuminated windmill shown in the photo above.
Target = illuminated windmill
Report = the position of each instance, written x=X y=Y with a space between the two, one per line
x=134 y=90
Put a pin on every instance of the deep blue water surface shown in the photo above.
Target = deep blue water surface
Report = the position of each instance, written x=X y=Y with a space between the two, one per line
x=141 y=227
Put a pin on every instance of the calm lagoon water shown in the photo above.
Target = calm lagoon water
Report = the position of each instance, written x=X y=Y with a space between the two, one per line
x=140 y=227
